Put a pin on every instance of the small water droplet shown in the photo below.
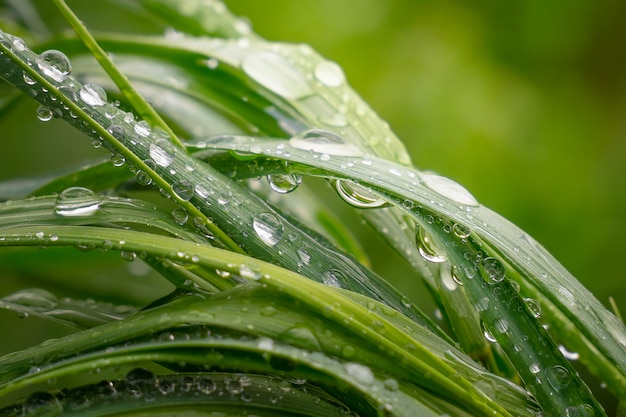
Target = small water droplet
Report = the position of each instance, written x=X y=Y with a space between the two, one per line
x=139 y=375
x=118 y=160
x=461 y=231
x=77 y=201
x=18 y=44
x=206 y=385
x=534 y=368
x=501 y=325
x=162 y=152
x=54 y=64
x=304 y=255
x=44 y=113
x=558 y=377
x=334 y=278
x=361 y=373
x=183 y=189
x=180 y=216
x=28 y=80
x=533 y=306
x=284 y=183
x=142 y=128
x=427 y=249
x=493 y=269
x=268 y=311
x=249 y=272
x=268 y=227
x=301 y=335
x=128 y=255
x=572 y=356
x=488 y=335
x=277 y=74
x=348 y=351
x=324 y=142
x=212 y=63
x=330 y=74
x=356 y=195
x=449 y=189
x=93 y=95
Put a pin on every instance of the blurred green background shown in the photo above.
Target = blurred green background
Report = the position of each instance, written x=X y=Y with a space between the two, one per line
x=523 y=103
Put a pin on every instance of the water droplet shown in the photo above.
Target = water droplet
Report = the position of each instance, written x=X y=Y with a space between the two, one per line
x=180 y=216
x=268 y=311
x=558 y=377
x=183 y=189
x=449 y=189
x=142 y=128
x=118 y=160
x=44 y=113
x=493 y=269
x=427 y=249
x=334 y=278
x=461 y=231
x=162 y=152
x=212 y=63
x=143 y=178
x=501 y=325
x=330 y=74
x=391 y=384
x=28 y=80
x=93 y=95
x=302 y=336
x=166 y=387
x=139 y=375
x=488 y=335
x=582 y=410
x=304 y=255
x=348 y=351
x=54 y=64
x=128 y=255
x=34 y=297
x=77 y=201
x=249 y=272
x=268 y=227
x=572 y=356
x=18 y=44
x=356 y=195
x=361 y=373
x=277 y=74
x=206 y=385
x=284 y=183
x=533 y=306
x=324 y=142
x=534 y=368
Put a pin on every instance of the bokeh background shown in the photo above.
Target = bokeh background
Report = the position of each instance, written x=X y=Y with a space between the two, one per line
x=523 y=103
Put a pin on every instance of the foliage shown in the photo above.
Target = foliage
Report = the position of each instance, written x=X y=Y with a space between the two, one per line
x=215 y=138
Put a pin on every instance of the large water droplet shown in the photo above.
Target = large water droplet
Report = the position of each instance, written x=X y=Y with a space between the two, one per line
x=330 y=74
x=449 y=189
x=533 y=306
x=142 y=128
x=324 y=142
x=304 y=255
x=54 y=64
x=356 y=195
x=93 y=95
x=77 y=201
x=268 y=227
x=427 y=248
x=284 y=183
x=162 y=152
x=183 y=189
x=301 y=335
x=493 y=269
x=277 y=74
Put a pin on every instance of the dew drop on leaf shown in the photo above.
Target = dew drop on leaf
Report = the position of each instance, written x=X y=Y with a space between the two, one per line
x=361 y=373
x=558 y=377
x=142 y=128
x=449 y=189
x=183 y=189
x=284 y=183
x=93 y=95
x=44 y=113
x=356 y=195
x=334 y=278
x=427 y=248
x=533 y=306
x=277 y=74
x=28 y=80
x=77 y=201
x=329 y=74
x=180 y=216
x=461 y=231
x=304 y=256
x=268 y=227
x=493 y=269
x=162 y=152
x=324 y=142
x=118 y=160
x=54 y=64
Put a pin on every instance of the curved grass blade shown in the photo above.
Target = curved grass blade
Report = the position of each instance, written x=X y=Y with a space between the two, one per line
x=420 y=365
x=450 y=204
x=238 y=215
